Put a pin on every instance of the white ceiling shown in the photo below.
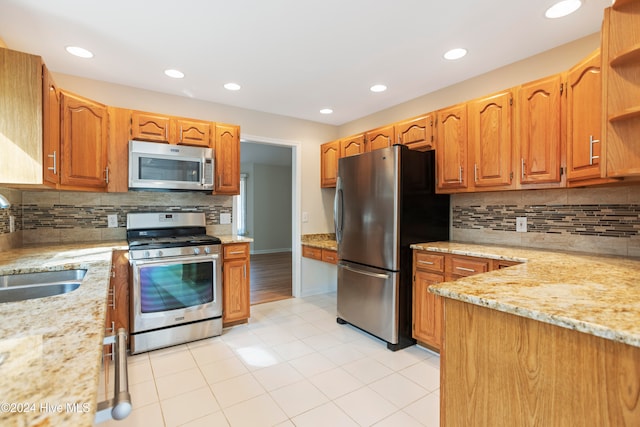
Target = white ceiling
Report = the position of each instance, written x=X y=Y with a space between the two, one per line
x=291 y=57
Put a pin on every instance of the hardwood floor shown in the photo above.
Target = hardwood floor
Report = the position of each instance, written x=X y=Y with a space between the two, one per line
x=270 y=277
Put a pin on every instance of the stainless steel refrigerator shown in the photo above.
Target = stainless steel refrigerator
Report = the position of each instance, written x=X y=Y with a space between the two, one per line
x=385 y=201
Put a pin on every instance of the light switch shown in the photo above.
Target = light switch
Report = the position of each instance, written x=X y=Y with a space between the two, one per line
x=305 y=216
x=112 y=221
x=521 y=224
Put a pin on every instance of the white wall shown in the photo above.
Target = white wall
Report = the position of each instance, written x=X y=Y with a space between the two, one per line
x=268 y=207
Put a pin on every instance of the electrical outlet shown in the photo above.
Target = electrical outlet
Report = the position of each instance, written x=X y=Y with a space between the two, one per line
x=12 y=223
x=305 y=216
x=225 y=218
x=521 y=224
x=112 y=221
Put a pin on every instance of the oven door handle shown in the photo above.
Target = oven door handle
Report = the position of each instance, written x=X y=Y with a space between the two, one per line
x=174 y=259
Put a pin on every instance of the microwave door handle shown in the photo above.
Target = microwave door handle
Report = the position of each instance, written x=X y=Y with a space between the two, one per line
x=202 y=178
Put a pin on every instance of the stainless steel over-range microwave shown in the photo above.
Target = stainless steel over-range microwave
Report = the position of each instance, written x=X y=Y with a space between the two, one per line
x=158 y=166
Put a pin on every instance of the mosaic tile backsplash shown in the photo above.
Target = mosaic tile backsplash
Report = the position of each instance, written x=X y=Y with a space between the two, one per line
x=58 y=217
x=612 y=220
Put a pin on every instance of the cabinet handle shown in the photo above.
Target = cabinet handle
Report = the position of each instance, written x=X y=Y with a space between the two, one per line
x=470 y=270
x=399 y=140
x=475 y=172
x=106 y=174
x=425 y=262
x=591 y=156
x=54 y=168
x=244 y=270
x=460 y=174
x=522 y=173
x=181 y=133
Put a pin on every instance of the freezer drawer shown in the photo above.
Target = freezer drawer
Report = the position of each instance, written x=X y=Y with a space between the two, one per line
x=368 y=299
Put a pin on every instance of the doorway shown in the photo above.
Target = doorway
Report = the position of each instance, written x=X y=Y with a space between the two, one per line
x=267 y=211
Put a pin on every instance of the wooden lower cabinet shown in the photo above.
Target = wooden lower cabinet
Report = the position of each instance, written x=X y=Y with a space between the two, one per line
x=499 y=369
x=320 y=254
x=427 y=310
x=434 y=267
x=235 y=283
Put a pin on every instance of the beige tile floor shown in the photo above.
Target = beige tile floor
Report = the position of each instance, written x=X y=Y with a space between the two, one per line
x=291 y=365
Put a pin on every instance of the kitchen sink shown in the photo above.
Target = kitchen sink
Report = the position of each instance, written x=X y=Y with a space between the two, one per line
x=19 y=287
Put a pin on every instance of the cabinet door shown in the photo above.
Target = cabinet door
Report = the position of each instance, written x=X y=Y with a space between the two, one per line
x=85 y=136
x=193 y=132
x=451 y=155
x=119 y=300
x=235 y=294
x=329 y=154
x=119 y=127
x=584 y=112
x=417 y=133
x=150 y=127
x=51 y=128
x=352 y=146
x=427 y=310
x=227 y=154
x=539 y=115
x=380 y=138
x=490 y=140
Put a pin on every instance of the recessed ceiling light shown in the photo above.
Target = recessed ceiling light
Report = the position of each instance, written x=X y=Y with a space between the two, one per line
x=326 y=111
x=79 y=51
x=174 y=74
x=563 y=8
x=454 y=54
x=378 y=88
x=232 y=86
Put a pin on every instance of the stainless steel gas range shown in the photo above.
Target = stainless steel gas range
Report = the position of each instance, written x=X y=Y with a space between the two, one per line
x=176 y=279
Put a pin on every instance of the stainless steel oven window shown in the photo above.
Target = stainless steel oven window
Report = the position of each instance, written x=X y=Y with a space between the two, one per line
x=175 y=286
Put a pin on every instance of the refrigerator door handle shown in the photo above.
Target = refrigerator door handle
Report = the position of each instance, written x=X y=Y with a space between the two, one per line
x=337 y=210
x=366 y=273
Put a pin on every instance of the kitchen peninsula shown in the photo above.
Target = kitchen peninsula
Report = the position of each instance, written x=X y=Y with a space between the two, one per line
x=553 y=341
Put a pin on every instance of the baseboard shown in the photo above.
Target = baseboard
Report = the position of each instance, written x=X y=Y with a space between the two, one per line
x=269 y=251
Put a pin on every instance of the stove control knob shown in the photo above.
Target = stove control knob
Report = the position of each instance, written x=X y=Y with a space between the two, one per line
x=146 y=254
x=160 y=253
x=207 y=250
x=196 y=251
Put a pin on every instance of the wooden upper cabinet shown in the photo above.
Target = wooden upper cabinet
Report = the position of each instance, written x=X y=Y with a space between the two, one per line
x=174 y=130
x=329 y=154
x=227 y=159
x=192 y=132
x=451 y=155
x=416 y=133
x=150 y=127
x=584 y=112
x=491 y=142
x=540 y=124
x=85 y=138
x=119 y=128
x=380 y=138
x=621 y=74
x=352 y=146
x=50 y=128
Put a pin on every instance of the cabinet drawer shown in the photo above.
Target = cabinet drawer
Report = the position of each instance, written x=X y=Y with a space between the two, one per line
x=429 y=261
x=329 y=256
x=311 y=252
x=468 y=267
x=235 y=251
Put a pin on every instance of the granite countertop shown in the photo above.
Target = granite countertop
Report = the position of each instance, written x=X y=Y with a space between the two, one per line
x=321 y=241
x=234 y=238
x=594 y=294
x=53 y=345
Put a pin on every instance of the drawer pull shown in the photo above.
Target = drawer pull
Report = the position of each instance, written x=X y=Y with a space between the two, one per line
x=236 y=252
x=471 y=270
x=425 y=262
